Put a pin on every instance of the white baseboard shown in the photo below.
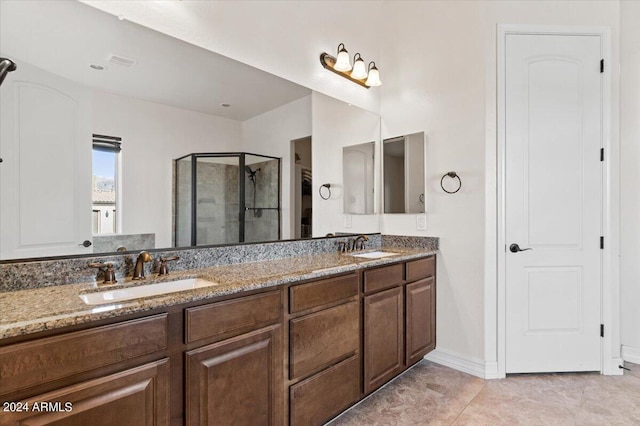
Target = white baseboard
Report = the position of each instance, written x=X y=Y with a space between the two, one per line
x=631 y=354
x=474 y=366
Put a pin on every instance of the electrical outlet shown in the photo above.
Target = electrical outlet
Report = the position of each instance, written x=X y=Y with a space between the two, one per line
x=421 y=222
x=347 y=221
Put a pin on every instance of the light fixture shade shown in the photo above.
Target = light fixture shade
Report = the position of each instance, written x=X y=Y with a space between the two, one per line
x=374 y=76
x=343 y=62
x=359 y=69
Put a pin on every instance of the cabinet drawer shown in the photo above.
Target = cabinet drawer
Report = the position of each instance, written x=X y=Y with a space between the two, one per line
x=317 y=399
x=139 y=396
x=43 y=360
x=421 y=268
x=320 y=339
x=232 y=317
x=312 y=295
x=385 y=277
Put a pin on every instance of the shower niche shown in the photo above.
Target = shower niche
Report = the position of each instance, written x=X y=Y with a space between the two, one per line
x=226 y=198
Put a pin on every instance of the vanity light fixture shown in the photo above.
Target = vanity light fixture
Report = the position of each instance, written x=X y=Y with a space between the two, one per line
x=359 y=68
x=359 y=73
x=374 y=76
x=343 y=63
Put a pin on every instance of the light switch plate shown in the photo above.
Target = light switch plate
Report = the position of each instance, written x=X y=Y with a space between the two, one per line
x=347 y=221
x=421 y=222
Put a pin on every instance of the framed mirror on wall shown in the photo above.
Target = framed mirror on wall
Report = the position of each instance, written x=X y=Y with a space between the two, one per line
x=403 y=165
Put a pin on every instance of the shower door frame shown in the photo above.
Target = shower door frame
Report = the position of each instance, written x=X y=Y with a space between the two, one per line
x=242 y=207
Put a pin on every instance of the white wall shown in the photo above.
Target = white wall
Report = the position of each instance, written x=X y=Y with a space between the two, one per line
x=439 y=62
x=284 y=38
x=630 y=179
x=152 y=136
x=335 y=125
x=433 y=82
x=271 y=134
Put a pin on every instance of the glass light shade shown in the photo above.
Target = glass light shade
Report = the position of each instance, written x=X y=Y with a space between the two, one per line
x=343 y=63
x=374 y=77
x=359 y=69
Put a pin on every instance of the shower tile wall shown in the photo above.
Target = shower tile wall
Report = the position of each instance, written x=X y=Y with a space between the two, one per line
x=232 y=207
x=182 y=208
x=262 y=225
x=211 y=202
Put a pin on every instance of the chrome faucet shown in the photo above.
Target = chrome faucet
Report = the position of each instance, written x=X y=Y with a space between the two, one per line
x=138 y=271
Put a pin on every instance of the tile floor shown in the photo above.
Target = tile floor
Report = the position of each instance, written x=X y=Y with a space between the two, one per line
x=430 y=394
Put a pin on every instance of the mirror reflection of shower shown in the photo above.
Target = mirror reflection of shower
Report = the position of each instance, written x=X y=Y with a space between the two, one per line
x=226 y=198
x=252 y=177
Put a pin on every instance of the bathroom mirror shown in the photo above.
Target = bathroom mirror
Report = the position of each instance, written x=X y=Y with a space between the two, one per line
x=404 y=174
x=358 y=176
x=88 y=82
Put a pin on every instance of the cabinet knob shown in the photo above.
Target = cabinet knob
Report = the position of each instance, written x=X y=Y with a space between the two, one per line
x=85 y=243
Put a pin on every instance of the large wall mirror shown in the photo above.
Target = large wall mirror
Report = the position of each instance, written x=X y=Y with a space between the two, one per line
x=97 y=111
x=404 y=174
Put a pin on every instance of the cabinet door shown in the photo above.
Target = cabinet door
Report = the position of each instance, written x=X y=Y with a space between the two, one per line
x=236 y=381
x=383 y=337
x=139 y=396
x=420 y=319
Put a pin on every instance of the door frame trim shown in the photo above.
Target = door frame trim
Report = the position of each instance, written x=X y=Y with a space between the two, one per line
x=610 y=301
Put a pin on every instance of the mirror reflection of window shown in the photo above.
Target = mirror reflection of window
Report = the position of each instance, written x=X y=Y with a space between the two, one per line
x=404 y=174
x=104 y=186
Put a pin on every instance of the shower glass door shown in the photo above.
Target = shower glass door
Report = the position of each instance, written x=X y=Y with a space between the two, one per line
x=261 y=198
x=226 y=198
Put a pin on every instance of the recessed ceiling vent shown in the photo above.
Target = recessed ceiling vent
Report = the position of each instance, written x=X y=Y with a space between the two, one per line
x=122 y=60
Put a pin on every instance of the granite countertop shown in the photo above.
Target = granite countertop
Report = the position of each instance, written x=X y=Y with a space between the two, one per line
x=30 y=311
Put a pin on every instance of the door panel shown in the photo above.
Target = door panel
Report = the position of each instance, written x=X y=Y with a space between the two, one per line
x=553 y=202
x=45 y=132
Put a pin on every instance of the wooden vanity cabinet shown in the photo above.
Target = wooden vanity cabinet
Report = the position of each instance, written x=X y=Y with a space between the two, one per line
x=324 y=349
x=420 y=309
x=101 y=376
x=383 y=323
x=398 y=319
x=237 y=379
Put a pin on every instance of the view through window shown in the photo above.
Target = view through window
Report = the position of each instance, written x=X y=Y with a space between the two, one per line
x=106 y=153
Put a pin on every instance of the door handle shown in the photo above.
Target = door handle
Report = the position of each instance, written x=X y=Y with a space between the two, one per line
x=514 y=248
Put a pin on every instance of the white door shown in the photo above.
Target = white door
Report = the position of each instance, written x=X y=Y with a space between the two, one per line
x=553 y=202
x=45 y=176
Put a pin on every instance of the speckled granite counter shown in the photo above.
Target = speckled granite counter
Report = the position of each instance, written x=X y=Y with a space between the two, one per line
x=33 y=310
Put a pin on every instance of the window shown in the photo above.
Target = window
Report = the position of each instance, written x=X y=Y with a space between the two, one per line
x=106 y=154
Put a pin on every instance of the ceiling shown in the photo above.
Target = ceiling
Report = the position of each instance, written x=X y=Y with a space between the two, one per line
x=65 y=37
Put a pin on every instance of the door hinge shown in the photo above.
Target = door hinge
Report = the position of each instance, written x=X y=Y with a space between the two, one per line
x=601 y=330
x=602 y=242
x=601 y=154
x=601 y=65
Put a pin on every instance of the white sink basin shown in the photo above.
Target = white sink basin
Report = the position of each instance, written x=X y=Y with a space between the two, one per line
x=374 y=254
x=110 y=296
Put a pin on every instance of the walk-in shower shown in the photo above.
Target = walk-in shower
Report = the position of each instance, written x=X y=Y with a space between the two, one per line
x=226 y=198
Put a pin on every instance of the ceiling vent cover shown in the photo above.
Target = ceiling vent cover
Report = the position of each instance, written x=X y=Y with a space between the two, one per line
x=122 y=60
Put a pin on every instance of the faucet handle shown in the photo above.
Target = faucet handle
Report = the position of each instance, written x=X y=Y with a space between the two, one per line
x=107 y=269
x=342 y=246
x=164 y=269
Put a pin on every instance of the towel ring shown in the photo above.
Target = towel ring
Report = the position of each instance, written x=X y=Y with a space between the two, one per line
x=328 y=186
x=452 y=175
